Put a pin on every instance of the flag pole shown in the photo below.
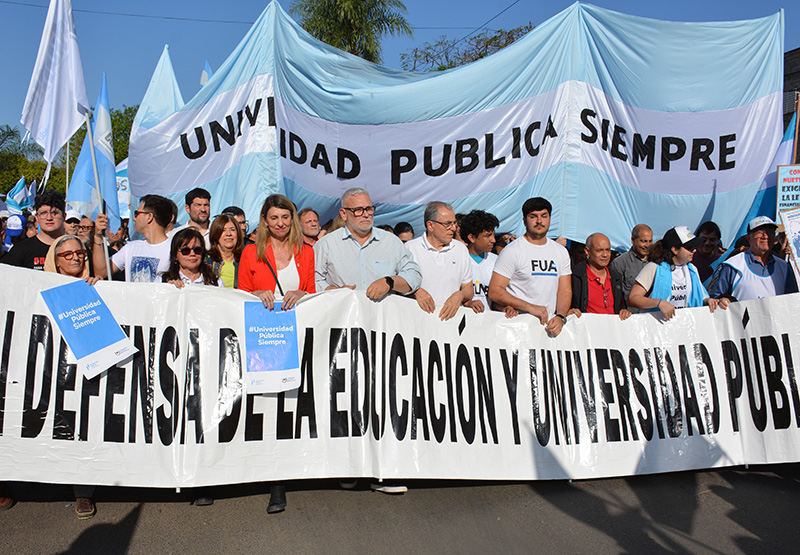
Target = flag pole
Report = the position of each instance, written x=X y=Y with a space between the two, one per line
x=66 y=185
x=97 y=187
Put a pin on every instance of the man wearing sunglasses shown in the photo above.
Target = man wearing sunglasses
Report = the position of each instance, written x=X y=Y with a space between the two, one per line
x=31 y=252
x=596 y=289
x=144 y=260
x=359 y=256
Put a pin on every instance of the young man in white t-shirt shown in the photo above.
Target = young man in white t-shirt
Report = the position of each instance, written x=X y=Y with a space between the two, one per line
x=143 y=261
x=532 y=274
x=477 y=231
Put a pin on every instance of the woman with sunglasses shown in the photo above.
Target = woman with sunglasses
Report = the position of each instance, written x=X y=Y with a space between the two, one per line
x=227 y=243
x=186 y=255
x=279 y=266
x=67 y=255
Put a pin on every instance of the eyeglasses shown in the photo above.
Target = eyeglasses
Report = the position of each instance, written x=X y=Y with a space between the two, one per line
x=51 y=214
x=137 y=212
x=85 y=227
x=359 y=210
x=446 y=225
x=186 y=251
x=68 y=255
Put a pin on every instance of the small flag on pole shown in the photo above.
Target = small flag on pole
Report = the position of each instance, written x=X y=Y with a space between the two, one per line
x=82 y=194
x=17 y=198
x=56 y=100
x=207 y=73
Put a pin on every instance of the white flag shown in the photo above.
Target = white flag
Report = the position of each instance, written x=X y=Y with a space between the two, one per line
x=56 y=100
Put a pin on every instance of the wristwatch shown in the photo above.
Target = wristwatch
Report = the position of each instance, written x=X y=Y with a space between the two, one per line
x=390 y=281
x=563 y=318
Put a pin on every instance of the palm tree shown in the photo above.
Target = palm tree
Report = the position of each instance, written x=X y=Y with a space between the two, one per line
x=355 y=26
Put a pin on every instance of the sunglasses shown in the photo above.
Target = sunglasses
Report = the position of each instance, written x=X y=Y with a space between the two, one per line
x=186 y=251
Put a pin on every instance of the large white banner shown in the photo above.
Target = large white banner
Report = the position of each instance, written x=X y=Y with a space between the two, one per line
x=389 y=391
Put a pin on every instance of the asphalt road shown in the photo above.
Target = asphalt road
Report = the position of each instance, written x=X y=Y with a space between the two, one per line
x=734 y=510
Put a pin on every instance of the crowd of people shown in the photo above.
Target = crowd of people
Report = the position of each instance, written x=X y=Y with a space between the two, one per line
x=459 y=260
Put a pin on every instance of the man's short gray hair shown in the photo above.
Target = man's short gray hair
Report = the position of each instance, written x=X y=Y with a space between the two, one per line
x=432 y=209
x=353 y=191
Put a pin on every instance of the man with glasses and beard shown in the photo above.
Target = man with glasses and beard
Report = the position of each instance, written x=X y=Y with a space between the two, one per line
x=359 y=256
x=31 y=252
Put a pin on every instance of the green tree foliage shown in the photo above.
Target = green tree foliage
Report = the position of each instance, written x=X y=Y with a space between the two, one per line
x=18 y=159
x=449 y=53
x=355 y=26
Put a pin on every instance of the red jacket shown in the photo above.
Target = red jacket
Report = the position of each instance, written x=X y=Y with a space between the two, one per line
x=254 y=275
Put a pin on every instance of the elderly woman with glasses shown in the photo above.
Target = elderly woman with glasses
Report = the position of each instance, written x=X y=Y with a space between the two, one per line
x=67 y=255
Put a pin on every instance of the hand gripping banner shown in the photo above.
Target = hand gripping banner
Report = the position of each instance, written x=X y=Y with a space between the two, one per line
x=389 y=391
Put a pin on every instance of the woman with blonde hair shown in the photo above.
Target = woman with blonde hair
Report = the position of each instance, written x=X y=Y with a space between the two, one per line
x=279 y=266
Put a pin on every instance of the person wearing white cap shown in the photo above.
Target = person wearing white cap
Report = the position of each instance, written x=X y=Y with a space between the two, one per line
x=15 y=231
x=72 y=219
x=756 y=272
x=670 y=281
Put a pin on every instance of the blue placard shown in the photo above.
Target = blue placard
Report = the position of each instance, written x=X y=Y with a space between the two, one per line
x=83 y=318
x=270 y=338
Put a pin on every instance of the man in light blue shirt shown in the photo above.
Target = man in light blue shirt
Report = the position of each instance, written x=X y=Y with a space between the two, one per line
x=361 y=257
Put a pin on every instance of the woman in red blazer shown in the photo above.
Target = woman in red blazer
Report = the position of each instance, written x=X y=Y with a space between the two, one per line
x=279 y=266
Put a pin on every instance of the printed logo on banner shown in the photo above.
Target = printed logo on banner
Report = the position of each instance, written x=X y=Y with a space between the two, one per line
x=273 y=362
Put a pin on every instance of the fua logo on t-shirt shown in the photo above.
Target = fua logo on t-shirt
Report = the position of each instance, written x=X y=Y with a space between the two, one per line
x=544 y=266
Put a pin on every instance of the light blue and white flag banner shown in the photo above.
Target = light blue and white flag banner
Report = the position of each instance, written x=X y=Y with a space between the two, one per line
x=273 y=363
x=123 y=190
x=616 y=119
x=18 y=198
x=390 y=391
x=82 y=194
x=87 y=325
x=206 y=74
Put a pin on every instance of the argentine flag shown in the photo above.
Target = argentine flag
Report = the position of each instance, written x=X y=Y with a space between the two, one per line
x=82 y=195
x=18 y=198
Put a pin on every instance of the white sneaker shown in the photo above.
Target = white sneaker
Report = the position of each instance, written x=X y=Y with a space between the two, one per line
x=388 y=487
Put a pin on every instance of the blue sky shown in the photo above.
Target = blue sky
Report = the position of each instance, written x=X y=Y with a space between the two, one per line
x=127 y=48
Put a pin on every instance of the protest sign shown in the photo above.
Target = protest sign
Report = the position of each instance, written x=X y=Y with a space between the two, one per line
x=788 y=187
x=389 y=391
x=88 y=327
x=271 y=347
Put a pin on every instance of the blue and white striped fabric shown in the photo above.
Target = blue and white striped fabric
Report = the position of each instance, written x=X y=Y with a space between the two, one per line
x=615 y=119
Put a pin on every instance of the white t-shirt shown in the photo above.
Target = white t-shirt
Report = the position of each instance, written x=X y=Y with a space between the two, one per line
x=443 y=271
x=681 y=283
x=142 y=261
x=534 y=270
x=481 y=276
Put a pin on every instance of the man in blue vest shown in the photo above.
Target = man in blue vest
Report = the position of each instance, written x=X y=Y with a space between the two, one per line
x=756 y=272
